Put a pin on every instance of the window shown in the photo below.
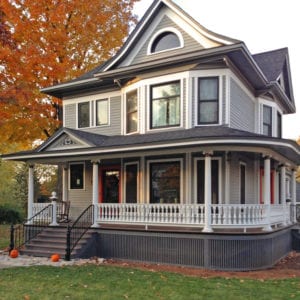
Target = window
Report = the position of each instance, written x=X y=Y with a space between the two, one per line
x=101 y=112
x=77 y=176
x=208 y=100
x=165 y=182
x=165 y=41
x=242 y=183
x=214 y=181
x=165 y=105
x=267 y=120
x=131 y=112
x=83 y=114
x=279 y=125
x=131 y=186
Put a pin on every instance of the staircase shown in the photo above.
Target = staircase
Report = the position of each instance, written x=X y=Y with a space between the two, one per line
x=53 y=240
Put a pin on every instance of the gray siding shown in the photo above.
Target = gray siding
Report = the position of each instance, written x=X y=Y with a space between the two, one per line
x=81 y=199
x=242 y=109
x=70 y=115
x=251 y=179
x=189 y=44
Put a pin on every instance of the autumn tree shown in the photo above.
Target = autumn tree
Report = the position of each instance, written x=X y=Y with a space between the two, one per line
x=46 y=42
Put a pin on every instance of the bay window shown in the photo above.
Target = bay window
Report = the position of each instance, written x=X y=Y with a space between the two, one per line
x=83 y=114
x=131 y=112
x=208 y=100
x=267 y=120
x=101 y=112
x=165 y=105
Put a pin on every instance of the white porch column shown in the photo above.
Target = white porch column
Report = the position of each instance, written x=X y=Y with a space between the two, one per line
x=207 y=193
x=54 y=209
x=95 y=191
x=267 y=191
x=283 y=184
x=65 y=184
x=30 y=192
x=293 y=188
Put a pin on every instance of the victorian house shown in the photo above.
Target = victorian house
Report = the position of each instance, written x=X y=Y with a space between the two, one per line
x=176 y=143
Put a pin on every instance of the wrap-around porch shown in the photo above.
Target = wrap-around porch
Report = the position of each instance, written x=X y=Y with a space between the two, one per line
x=266 y=212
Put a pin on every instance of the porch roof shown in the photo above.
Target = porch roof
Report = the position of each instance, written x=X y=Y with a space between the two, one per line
x=212 y=136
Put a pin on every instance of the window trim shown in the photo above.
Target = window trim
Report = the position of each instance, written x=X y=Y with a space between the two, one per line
x=83 y=176
x=217 y=158
x=126 y=113
x=161 y=31
x=198 y=100
x=243 y=164
x=137 y=163
x=148 y=185
x=179 y=81
x=270 y=126
x=108 y=110
x=77 y=114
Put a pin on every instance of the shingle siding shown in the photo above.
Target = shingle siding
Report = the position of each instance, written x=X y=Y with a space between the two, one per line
x=242 y=109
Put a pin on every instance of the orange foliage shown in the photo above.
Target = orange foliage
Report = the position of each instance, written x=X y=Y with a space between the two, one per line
x=52 y=41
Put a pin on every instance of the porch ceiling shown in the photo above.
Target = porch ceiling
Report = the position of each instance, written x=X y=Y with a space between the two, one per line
x=218 y=137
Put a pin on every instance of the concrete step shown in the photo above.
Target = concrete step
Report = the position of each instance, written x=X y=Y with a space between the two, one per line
x=53 y=240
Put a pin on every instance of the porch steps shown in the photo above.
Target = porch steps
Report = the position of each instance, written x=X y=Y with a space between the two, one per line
x=53 y=240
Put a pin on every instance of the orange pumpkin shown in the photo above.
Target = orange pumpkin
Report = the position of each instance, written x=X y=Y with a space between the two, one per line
x=55 y=257
x=14 y=253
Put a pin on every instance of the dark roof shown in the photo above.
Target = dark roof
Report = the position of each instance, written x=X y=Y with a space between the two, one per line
x=205 y=136
x=271 y=62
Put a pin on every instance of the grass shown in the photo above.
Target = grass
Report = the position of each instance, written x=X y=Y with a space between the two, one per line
x=107 y=282
x=4 y=236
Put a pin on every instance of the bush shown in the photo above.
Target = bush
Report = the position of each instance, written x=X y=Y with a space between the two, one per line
x=9 y=215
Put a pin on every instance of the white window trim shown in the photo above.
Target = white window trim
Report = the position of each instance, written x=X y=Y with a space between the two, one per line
x=95 y=112
x=219 y=159
x=149 y=103
x=240 y=177
x=69 y=176
x=138 y=179
x=125 y=110
x=166 y=29
x=77 y=114
x=220 y=107
x=180 y=160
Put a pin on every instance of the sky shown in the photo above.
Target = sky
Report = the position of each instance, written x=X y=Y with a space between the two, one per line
x=263 y=25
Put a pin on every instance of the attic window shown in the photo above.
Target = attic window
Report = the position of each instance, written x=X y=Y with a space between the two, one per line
x=167 y=39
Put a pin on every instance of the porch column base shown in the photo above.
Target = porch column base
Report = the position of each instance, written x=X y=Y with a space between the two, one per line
x=95 y=225
x=207 y=229
x=267 y=228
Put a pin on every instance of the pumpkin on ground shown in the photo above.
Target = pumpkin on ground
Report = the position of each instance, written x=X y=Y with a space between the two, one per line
x=55 y=257
x=14 y=253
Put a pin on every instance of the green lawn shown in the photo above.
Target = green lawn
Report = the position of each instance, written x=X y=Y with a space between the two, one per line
x=4 y=236
x=107 y=282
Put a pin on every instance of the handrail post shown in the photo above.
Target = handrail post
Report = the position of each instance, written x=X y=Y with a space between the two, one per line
x=54 y=208
x=12 y=238
x=68 y=244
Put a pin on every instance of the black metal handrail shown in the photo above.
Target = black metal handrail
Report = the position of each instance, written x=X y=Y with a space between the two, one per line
x=34 y=225
x=78 y=229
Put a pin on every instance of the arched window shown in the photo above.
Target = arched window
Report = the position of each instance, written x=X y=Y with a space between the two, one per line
x=165 y=40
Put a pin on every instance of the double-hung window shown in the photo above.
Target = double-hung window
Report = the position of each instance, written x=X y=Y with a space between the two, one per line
x=208 y=100
x=101 y=112
x=83 y=114
x=267 y=120
x=165 y=105
x=131 y=112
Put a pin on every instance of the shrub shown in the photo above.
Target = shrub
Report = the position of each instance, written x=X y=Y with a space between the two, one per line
x=9 y=215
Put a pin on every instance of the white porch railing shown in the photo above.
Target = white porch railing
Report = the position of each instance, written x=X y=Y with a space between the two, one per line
x=222 y=215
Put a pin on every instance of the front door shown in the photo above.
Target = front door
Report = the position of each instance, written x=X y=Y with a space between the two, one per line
x=110 y=185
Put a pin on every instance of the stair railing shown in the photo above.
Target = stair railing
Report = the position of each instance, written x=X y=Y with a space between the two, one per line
x=78 y=229
x=29 y=229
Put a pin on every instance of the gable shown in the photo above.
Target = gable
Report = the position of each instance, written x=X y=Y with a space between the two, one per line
x=66 y=142
x=165 y=15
